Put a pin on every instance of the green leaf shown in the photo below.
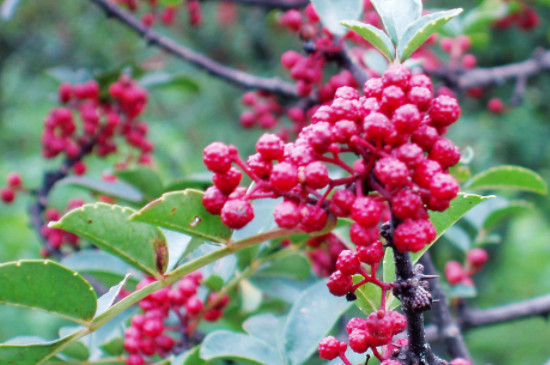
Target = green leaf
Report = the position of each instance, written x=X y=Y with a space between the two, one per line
x=418 y=32
x=7 y=9
x=508 y=177
x=92 y=261
x=265 y=326
x=375 y=61
x=183 y=211
x=311 y=318
x=388 y=268
x=384 y=9
x=26 y=353
x=332 y=12
x=374 y=36
x=295 y=266
x=368 y=296
x=480 y=18
x=107 y=299
x=77 y=350
x=252 y=297
x=117 y=190
x=47 y=286
x=114 y=347
x=107 y=226
x=497 y=215
x=214 y=282
x=231 y=345
x=144 y=179
x=173 y=81
x=443 y=220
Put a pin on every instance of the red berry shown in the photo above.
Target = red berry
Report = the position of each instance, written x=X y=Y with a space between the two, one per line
x=379 y=327
x=259 y=165
x=454 y=272
x=213 y=315
x=227 y=182
x=316 y=174
x=341 y=201
x=372 y=254
x=362 y=236
x=346 y=92
x=7 y=195
x=366 y=211
x=292 y=19
x=425 y=172
x=79 y=168
x=217 y=157
x=477 y=257
x=421 y=80
x=391 y=172
x=284 y=176
x=312 y=218
x=237 y=213
x=445 y=152
x=444 y=186
x=319 y=136
x=377 y=126
x=496 y=106
x=410 y=153
x=153 y=328
x=348 y=263
x=166 y=343
x=356 y=323
x=469 y=61
x=373 y=88
x=289 y=59
x=213 y=200
x=287 y=214
x=398 y=321
x=406 y=118
x=339 y=284
x=194 y=306
x=406 y=204
x=329 y=348
x=135 y=360
x=270 y=146
x=392 y=97
x=397 y=75
x=413 y=235
x=425 y=136
x=359 y=341
x=421 y=97
x=187 y=287
x=64 y=93
x=444 y=111
x=343 y=130
x=131 y=345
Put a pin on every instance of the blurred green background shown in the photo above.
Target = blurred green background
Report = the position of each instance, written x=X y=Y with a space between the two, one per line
x=47 y=38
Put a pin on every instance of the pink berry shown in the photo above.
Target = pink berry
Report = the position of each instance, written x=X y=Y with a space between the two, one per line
x=406 y=204
x=287 y=214
x=284 y=176
x=359 y=341
x=444 y=111
x=312 y=218
x=329 y=348
x=217 y=157
x=341 y=202
x=398 y=75
x=362 y=236
x=270 y=146
x=454 y=272
x=7 y=195
x=339 y=284
x=391 y=172
x=444 y=186
x=477 y=257
x=237 y=213
x=496 y=106
x=413 y=235
x=316 y=175
x=213 y=200
x=14 y=180
x=366 y=211
x=348 y=263
x=227 y=182
x=406 y=118
x=372 y=254
x=445 y=152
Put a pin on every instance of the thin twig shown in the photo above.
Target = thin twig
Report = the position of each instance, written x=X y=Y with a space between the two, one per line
x=447 y=327
x=237 y=77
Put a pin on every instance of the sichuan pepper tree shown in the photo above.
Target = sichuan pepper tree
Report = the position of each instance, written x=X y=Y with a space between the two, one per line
x=354 y=178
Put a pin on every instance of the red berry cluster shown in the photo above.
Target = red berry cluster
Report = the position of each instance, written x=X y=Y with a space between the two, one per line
x=147 y=334
x=526 y=19
x=264 y=110
x=14 y=183
x=57 y=237
x=102 y=120
x=376 y=330
x=456 y=273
